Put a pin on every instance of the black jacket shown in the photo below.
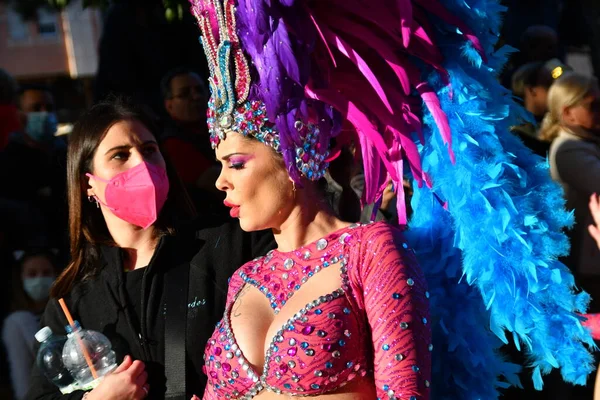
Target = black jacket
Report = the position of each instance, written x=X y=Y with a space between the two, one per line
x=101 y=303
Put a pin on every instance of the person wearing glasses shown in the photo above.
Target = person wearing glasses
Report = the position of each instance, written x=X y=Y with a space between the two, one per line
x=185 y=137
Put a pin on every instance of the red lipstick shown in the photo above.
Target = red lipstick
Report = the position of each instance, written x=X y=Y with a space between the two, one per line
x=235 y=210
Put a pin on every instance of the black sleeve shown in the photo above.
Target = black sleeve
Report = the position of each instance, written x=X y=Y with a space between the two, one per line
x=241 y=246
x=40 y=387
x=261 y=242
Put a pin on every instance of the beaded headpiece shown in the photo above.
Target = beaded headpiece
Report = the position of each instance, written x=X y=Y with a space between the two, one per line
x=290 y=73
x=230 y=109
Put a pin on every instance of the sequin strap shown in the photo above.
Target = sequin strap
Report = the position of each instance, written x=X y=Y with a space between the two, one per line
x=284 y=274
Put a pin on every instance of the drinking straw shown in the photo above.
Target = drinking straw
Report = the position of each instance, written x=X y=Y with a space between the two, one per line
x=86 y=355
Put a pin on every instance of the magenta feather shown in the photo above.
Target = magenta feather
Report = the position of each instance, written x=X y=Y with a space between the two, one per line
x=312 y=18
x=433 y=105
x=364 y=68
x=356 y=116
x=313 y=64
x=396 y=157
x=438 y=9
x=406 y=20
x=393 y=123
x=385 y=50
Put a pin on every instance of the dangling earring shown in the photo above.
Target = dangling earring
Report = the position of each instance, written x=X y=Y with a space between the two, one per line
x=91 y=199
x=294 y=186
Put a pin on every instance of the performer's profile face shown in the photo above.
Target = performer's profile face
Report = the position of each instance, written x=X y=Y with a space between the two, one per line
x=257 y=184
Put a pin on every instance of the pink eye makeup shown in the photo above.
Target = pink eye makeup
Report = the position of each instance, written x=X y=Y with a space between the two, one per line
x=239 y=161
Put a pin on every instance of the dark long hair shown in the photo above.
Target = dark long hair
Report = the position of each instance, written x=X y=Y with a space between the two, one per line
x=87 y=227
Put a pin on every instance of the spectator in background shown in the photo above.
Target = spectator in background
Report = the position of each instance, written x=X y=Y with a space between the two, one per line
x=573 y=124
x=33 y=164
x=185 y=137
x=538 y=43
x=530 y=83
x=39 y=120
x=32 y=279
x=591 y=15
x=139 y=46
x=9 y=115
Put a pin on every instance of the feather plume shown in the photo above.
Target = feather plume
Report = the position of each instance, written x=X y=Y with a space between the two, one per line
x=417 y=81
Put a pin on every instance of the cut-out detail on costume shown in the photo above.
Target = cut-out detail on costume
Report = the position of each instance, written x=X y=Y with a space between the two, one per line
x=326 y=343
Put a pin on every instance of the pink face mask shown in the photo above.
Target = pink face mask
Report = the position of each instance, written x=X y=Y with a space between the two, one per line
x=136 y=195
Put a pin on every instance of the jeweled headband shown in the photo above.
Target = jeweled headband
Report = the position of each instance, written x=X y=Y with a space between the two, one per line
x=230 y=108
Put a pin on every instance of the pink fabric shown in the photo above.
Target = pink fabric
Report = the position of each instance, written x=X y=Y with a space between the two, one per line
x=593 y=325
x=136 y=195
x=376 y=324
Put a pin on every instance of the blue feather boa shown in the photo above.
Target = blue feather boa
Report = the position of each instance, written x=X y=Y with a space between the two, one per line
x=489 y=233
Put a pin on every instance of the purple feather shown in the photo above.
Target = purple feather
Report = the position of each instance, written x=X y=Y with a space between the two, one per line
x=299 y=76
x=285 y=54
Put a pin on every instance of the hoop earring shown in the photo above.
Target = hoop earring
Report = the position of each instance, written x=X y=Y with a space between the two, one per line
x=91 y=199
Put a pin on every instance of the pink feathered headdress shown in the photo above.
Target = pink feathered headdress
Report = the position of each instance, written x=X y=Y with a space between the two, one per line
x=314 y=64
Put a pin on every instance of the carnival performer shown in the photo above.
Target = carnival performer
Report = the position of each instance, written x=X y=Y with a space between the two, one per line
x=342 y=310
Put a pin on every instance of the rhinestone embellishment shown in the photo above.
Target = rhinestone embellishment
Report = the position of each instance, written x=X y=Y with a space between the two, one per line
x=288 y=264
x=316 y=330
x=321 y=244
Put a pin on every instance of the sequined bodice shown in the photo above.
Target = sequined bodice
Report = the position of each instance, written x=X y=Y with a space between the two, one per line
x=324 y=344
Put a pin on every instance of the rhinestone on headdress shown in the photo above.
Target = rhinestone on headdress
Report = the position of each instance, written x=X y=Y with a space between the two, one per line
x=229 y=81
x=221 y=44
x=249 y=119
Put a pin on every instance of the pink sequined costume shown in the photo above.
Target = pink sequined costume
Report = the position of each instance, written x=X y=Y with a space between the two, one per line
x=376 y=323
x=593 y=325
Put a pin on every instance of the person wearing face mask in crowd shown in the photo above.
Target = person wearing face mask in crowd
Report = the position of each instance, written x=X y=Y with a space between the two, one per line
x=32 y=279
x=140 y=272
x=32 y=166
x=37 y=103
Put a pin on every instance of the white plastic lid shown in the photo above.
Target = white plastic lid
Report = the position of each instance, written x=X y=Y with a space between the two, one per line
x=43 y=334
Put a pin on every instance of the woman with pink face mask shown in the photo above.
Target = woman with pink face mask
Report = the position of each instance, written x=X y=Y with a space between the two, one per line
x=140 y=272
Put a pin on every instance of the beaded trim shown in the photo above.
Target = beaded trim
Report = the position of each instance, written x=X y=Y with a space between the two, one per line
x=249 y=119
x=300 y=315
x=289 y=263
x=220 y=53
